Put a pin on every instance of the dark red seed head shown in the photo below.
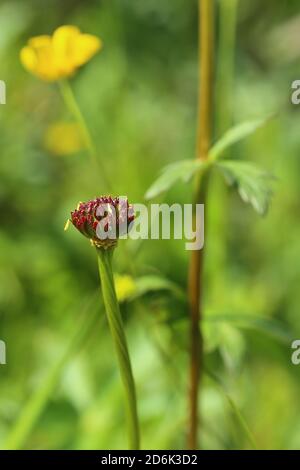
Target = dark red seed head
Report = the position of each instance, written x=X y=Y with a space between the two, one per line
x=103 y=219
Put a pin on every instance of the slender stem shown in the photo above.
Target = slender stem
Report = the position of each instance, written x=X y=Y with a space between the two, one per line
x=120 y=343
x=195 y=288
x=72 y=105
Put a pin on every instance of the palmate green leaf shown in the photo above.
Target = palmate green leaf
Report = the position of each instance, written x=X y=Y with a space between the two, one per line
x=254 y=184
x=183 y=170
x=234 y=135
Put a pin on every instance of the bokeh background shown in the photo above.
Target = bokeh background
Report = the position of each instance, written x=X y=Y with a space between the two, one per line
x=60 y=388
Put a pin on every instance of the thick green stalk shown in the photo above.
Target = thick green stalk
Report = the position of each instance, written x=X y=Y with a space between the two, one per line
x=72 y=105
x=195 y=283
x=118 y=334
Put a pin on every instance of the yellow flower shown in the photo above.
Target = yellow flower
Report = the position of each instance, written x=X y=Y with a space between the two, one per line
x=125 y=287
x=63 y=138
x=59 y=56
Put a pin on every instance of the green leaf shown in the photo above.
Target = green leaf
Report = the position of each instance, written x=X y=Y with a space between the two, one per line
x=145 y=284
x=183 y=170
x=226 y=337
x=254 y=184
x=234 y=135
x=264 y=325
x=242 y=422
x=235 y=410
x=129 y=288
x=232 y=346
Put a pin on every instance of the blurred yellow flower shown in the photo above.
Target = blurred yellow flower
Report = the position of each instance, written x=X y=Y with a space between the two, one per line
x=125 y=287
x=59 y=56
x=63 y=138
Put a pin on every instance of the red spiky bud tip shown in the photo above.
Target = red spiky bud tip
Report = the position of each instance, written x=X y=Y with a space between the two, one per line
x=103 y=219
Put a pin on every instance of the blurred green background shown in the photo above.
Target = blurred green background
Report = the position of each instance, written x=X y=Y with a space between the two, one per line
x=139 y=98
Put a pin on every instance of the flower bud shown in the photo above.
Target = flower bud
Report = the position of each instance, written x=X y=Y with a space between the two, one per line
x=103 y=220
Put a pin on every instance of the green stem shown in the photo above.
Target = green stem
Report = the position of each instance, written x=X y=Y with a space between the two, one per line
x=72 y=105
x=120 y=343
